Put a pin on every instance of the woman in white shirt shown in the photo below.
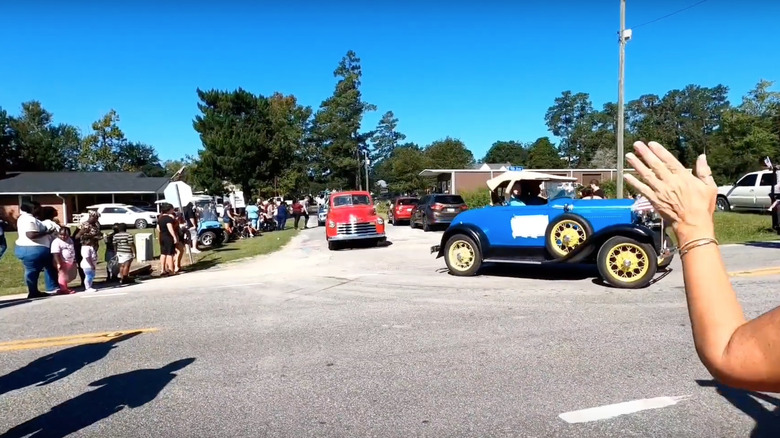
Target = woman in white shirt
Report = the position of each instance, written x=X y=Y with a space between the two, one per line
x=33 y=250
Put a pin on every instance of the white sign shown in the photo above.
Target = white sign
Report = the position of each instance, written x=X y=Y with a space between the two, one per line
x=178 y=194
x=529 y=226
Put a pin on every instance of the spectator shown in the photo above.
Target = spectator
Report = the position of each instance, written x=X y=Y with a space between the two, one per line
x=281 y=216
x=305 y=202
x=88 y=262
x=297 y=212
x=3 y=243
x=112 y=267
x=168 y=239
x=191 y=218
x=125 y=253
x=253 y=215
x=598 y=193
x=90 y=233
x=738 y=352
x=64 y=252
x=32 y=249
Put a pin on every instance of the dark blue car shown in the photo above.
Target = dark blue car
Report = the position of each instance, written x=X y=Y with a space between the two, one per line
x=535 y=219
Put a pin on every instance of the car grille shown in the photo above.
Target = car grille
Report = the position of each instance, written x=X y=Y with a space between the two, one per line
x=357 y=228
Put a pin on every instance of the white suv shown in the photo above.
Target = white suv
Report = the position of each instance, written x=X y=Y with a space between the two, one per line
x=111 y=214
x=751 y=192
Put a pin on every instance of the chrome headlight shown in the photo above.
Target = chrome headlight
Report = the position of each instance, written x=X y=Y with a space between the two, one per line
x=332 y=224
x=379 y=221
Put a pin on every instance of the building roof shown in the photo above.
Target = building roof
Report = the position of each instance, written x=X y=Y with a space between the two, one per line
x=70 y=183
x=493 y=166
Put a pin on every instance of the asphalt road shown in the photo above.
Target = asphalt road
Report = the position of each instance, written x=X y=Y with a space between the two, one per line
x=374 y=342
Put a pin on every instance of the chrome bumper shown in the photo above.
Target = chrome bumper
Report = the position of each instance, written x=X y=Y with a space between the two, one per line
x=341 y=237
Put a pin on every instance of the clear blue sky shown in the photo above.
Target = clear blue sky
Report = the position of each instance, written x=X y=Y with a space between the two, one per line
x=478 y=70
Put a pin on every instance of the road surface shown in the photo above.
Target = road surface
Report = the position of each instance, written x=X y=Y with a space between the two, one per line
x=373 y=342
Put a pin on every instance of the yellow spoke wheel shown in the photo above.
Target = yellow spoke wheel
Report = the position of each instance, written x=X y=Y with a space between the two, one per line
x=625 y=262
x=566 y=235
x=462 y=255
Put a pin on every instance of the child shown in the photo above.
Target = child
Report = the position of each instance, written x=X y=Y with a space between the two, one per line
x=64 y=253
x=125 y=253
x=88 y=262
x=112 y=265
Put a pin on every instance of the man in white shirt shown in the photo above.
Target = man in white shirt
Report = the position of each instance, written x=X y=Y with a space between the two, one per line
x=32 y=249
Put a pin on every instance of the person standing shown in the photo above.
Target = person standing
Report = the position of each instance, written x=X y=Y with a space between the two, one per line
x=253 y=214
x=167 y=238
x=297 y=212
x=191 y=219
x=125 y=253
x=88 y=262
x=281 y=216
x=3 y=242
x=112 y=267
x=305 y=203
x=33 y=250
x=64 y=252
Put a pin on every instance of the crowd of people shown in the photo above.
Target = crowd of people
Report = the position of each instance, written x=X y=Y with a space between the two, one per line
x=266 y=215
x=61 y=254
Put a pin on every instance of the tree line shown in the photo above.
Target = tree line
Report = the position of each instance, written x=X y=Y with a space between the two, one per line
x=269 y=145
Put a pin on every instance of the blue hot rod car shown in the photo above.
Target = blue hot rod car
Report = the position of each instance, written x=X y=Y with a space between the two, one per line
x=535 y=219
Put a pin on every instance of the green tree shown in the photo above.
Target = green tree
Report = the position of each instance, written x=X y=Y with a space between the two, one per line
x=565 y=119
x=542 y=154
x=336 y=126
x=449 y=153
x=386 y=138
x=507 y=152
x=402 y=169
x=37 y=144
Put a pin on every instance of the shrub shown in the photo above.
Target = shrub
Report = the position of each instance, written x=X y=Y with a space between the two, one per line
x=610 y=189
x=476 y=199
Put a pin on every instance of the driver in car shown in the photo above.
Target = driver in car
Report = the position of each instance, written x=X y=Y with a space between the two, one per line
x=514 y=197
x=532 y=194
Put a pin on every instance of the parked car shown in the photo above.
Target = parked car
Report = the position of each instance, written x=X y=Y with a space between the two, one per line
x=623 y=237
x=143 y=205
x=111 y=214
x=401 y=209
x=436 y=209
x=322 y=214
x=751 y=192
x=352 y=217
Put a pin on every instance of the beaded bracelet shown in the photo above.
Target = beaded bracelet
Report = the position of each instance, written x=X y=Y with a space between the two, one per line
x=696 y=243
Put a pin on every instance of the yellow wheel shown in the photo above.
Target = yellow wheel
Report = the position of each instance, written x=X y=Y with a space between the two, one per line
x=624 y=262
x=462 y=255
x=565 y=234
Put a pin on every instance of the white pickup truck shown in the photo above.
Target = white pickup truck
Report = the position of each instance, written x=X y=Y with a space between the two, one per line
x=751 y=192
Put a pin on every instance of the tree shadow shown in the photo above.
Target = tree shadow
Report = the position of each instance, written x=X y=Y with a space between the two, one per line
x=770 y=244
x=58 y=365
x=767 y=421
x=115 y=393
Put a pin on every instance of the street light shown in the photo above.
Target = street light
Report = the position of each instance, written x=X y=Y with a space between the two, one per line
x=623 y=36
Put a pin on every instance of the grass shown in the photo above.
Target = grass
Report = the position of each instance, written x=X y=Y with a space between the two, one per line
x=12 y=272
x=744 y=227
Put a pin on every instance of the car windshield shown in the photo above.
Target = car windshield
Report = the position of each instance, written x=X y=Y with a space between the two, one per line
x=558 y=189
x=136 y=209
x=408 y=201
x=346 y=200
x=207 y=212
x=449 y=199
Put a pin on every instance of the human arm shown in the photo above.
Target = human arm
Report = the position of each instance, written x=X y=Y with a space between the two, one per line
x=737 y=352
x=173 y=232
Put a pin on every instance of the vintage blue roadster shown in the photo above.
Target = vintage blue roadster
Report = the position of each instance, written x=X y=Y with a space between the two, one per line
x=535 y=218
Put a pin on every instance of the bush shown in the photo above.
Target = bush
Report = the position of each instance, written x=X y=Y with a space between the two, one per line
x=477 y=198
x=610 y=189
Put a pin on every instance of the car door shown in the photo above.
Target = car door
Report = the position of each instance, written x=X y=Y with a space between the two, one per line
x=743 y=195
x=763 y=190
x=109 y=216
x=419 y=210
x=517 y=226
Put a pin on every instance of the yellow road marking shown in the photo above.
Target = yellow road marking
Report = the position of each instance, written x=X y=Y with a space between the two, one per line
x=755 y=272
x=88 y=338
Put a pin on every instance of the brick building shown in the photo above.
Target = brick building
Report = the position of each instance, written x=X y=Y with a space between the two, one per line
x=71 y=192
x=457 y=181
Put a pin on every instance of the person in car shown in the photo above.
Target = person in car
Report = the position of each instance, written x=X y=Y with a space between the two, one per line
x=531 y=193
x=515 y=197
x=738 y=352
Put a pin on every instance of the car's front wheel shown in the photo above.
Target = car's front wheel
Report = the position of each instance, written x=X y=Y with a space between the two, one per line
x=141 y=224
x=207 y=239
x=626 y=263
x=462 y=255
x=722 y=203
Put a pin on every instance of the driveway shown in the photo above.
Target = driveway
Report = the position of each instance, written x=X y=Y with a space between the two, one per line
x=374 y=342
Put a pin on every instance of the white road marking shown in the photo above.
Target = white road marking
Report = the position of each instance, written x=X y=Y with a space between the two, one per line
x=99 y=295
x=611 y=411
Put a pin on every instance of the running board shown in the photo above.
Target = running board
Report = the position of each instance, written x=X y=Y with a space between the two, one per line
x=515 y=261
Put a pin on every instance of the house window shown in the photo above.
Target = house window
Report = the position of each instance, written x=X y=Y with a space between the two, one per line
x=26 y=199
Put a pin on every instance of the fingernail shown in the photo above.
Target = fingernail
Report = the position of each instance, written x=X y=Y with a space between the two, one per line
x=630 y=155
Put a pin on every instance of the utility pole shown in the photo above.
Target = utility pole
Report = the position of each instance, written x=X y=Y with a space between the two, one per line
x=621 y=122
x=368 y=162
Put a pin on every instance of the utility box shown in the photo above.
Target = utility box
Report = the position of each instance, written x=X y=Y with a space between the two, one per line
x=144 y=250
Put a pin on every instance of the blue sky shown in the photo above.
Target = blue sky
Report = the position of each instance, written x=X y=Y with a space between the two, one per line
x=480 y=71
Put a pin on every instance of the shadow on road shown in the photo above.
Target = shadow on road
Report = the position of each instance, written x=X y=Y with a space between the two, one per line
x=114 y=393
x=52 y=367
x=14 y=302
x=767 y=421
x=770 y=244
x=540 y=272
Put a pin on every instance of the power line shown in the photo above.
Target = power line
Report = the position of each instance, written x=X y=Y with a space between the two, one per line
x=671 y=14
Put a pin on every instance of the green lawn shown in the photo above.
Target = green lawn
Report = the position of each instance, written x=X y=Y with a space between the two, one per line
x=12 y=272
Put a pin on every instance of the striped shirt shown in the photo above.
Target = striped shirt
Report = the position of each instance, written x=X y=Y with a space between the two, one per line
x=123 y=243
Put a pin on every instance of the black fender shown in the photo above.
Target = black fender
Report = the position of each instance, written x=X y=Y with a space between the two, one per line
x=640 y=233
x=473 y=231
